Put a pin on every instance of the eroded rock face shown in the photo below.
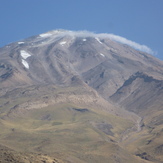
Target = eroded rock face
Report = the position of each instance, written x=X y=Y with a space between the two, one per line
x=140 y=93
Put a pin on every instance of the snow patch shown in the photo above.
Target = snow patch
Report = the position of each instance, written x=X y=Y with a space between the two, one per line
x=25 y=63
x=98 y=40
x=45 y=35
x=62 y=43
x=24 y=54
x=102 y=54
x=84 y=39
x=20 y=43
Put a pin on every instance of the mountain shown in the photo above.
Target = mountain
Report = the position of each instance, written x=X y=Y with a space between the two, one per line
x=80 y=97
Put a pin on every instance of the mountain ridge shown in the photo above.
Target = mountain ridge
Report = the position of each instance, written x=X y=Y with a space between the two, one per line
x=73 y=87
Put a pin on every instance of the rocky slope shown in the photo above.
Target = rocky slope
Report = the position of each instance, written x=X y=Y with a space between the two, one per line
x=9 y=155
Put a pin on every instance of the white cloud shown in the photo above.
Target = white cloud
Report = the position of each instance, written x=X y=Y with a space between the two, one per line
x=117 y=38
x=103 y=35
x=129 y=42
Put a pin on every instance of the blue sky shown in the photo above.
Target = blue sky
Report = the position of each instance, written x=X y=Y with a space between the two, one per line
x=137 y=20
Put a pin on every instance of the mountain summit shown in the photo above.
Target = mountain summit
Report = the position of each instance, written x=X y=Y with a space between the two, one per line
x=87 y=97
x=68 y=53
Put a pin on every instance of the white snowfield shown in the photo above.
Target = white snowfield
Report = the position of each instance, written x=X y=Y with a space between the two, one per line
x=26 y=65
x=20 y=43
x=45 y=35
x=52 y=33
x=98 y=40
x=62 y=43
x=84 y=39
x=24 y=54
x=102 y=54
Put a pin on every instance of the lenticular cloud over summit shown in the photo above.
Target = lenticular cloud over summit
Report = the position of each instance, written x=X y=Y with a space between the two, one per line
x=130 y=43
x=123 y=40
x=113 y=37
